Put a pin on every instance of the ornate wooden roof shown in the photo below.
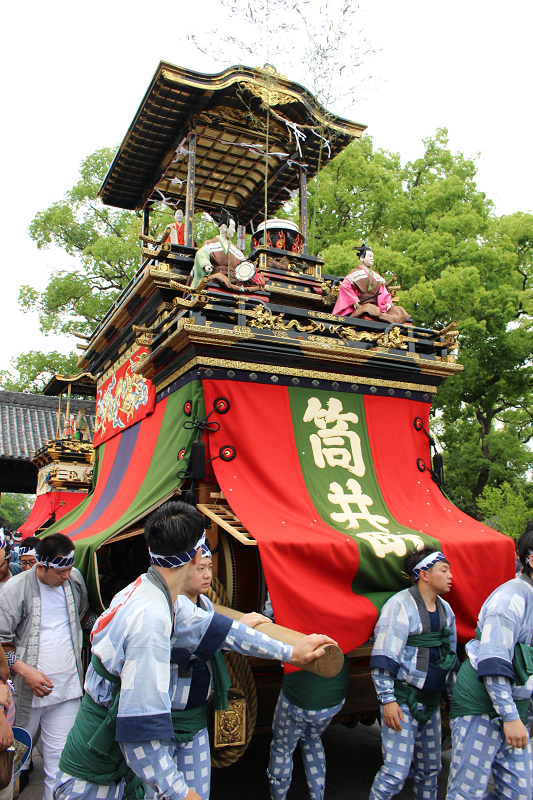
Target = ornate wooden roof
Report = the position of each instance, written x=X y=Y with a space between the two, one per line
x=28 y=421
x=230 y=113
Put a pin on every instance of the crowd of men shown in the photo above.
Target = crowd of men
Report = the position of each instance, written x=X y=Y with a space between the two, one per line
x=135 y=724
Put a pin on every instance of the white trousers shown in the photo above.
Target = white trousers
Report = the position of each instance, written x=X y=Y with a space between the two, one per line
x=56 y=722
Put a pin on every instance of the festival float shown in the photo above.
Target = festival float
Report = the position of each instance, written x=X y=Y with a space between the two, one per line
x=302 y=434
x=64 y=460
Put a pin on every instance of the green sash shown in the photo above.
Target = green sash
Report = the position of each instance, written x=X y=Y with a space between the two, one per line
x=221 y=681
x=470 y=695
x=189 y=721
x=91 y=752
x=411 y=696
x=436 y=639
x=313 y=692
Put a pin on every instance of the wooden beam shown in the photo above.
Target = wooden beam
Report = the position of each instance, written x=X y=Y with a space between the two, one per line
x=191 y=179
x=303 y=207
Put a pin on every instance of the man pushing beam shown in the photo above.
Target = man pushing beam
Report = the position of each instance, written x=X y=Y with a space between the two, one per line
x=124 y=735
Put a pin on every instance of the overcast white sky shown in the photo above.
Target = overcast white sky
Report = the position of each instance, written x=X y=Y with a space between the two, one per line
x=74 y=74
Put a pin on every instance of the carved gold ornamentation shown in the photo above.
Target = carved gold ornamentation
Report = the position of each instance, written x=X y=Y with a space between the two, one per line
x=383 y=340
x=261 y=317
x=330 y=292
x=309 y=295
x=247 y=366
x=269 y=92
x=325 y=341
x=324 y=315
x=144 y=335
x=230 y=725
x=394 y=339
x=179 y=302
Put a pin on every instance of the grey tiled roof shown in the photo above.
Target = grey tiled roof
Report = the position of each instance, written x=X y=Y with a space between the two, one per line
x=28 y=421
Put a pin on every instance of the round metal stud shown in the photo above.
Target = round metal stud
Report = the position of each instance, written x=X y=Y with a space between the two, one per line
x=295 y=381
x=335 y=385
x=227 y=452
x=408 y=394
x=274 y=378
x=231 y=374
x=209 y=372
x=316 y=383
x=373 y=389
x=221 y=405
x=425 y=397
x=253 y=376
x=391 y=391
x=355 y=387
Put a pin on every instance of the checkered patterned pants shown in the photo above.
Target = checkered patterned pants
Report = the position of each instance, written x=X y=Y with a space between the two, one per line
x=479 y=746
x=194 y=760
x=290 y=726
x=415 y=744
x=69 y=788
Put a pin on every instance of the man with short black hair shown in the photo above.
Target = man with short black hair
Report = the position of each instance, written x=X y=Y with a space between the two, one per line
x=28 y=552
x=41 y=618
x=412 y=662
x=493 y=691
x=124 y=731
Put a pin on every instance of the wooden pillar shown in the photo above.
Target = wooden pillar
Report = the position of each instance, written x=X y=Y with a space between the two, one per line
x=303 y=207
x=58 y=430
x=191 y=177
x=69 y=392
x=146 y=220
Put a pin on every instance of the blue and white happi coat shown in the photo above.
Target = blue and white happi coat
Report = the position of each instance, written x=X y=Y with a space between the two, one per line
x=415 y=749
x=132 y=639
x=239 y=638
x=505 y=619
x=392 y=657
x=479 y=744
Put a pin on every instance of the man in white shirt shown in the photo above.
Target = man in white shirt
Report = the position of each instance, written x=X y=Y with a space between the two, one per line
x=41 y=617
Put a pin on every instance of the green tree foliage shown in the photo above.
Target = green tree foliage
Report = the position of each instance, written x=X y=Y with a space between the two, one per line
x=429 y=224
x=505 y=508
x=104 y=246
x=35 y=370
x=15 y=508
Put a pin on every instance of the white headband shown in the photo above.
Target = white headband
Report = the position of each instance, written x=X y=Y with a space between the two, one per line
x=59 y=562
x=428 y=562
x=169 y=562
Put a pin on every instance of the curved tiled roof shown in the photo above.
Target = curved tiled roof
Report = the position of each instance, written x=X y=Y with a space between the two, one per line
x=28 y=421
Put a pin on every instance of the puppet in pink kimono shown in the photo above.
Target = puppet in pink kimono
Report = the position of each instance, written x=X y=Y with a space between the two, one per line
x=363 y=293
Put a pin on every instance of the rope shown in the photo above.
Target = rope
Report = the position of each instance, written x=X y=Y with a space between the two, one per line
x=242 y=680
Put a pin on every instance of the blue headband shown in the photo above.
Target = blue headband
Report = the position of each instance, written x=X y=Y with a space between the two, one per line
x=427 y=563
x=2 y=539
x=206 y=552
x=170 y=562
x=59 y=562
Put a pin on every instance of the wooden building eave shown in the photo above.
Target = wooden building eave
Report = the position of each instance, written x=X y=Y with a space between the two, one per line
x=227 y=111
